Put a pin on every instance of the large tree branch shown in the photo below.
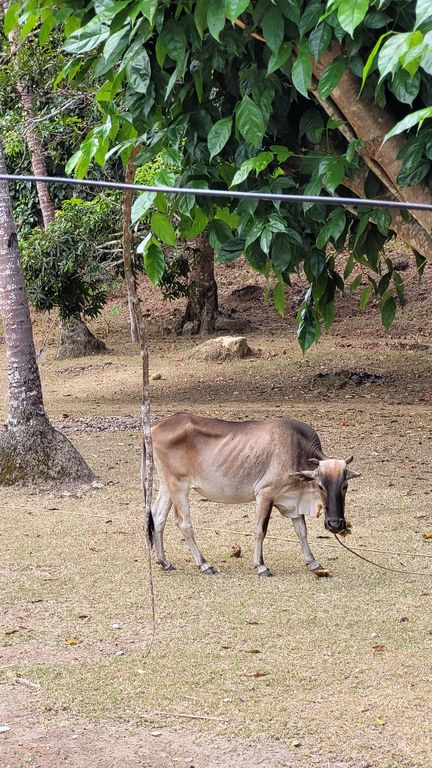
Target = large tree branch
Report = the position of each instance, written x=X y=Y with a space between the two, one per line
x=370 y=123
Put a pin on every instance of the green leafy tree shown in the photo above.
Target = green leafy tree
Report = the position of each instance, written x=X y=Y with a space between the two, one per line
x=263 y=95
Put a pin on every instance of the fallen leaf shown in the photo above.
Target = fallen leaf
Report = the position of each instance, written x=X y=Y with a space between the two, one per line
x=380 y=721
x=378 y=647
x=255 y=674
x=250 y=650
x=25 y=681
x=251 y=621
x=11 y=631
x=4 y=728
x=71 y=641
x=427 y=535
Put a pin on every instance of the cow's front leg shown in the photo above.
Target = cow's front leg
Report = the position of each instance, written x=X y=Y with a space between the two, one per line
x=263 y=511
x=301 y=531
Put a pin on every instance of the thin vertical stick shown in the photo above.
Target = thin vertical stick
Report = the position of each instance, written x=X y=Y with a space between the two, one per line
x=137 y=320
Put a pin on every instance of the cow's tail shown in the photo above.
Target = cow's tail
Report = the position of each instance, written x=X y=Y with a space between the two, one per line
x=150 y=529
x=149 y=526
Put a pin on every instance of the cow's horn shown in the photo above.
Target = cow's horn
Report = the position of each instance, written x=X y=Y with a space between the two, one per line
x=314 y=461
x=349 y=460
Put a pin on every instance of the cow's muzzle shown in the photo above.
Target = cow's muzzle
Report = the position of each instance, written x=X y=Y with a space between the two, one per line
x=335 y=524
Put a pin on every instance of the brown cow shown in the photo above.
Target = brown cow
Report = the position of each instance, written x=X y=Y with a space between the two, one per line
x=237 y=462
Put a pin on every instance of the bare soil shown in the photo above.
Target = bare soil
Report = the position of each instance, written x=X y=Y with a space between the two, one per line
x=291 y=671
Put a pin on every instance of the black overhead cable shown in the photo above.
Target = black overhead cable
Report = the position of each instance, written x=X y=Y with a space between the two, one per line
x=225 y=193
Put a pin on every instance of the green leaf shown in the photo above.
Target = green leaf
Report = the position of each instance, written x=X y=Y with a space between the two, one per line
x=219 y=234
x=11 y=18
x=86 y=38
x=311 y=124
x=351 y=13
x=331 y=171
x=141 y=205
x=409 y=176
x=371 y=57
x=281 y=252
x=279 y=297
x=113 y=50
x=355 y=283
x=163 y=229
x=279 y=58
x=46 y=27
x=308 y=330
x=148 y=8
x=319 y=40
x=333 y=227
x=421 y=262
x=310 y=17
x=233 y=8
x=382 y=218
x=423 y=12
x=138 y=71
x=219 y=135
x=198 y=225
x=231 y=250
x=254 y=232
x=388 y=311
x=302 y=72
x=265 y=240
x=257 y=164
x=250 y=121
x=174 y=40
x=415 y=118
x=273 y=28
x=215 y=18
x=331 y=77
x=154 y=263
x=392 y=50
x=365 y=296
x=282 y=153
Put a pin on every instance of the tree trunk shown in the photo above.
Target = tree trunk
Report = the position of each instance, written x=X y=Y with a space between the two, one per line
x=127 y=238
x=30 y=449
x=202 y=307
x=370 y=123
x=77 y=340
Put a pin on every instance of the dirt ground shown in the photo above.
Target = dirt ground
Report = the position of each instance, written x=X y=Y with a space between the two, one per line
x=292 y=671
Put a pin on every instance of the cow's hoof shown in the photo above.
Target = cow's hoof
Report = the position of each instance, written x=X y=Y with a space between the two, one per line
x=168 y=567
x=265 y=573
x=321 y=571
x=209 y=570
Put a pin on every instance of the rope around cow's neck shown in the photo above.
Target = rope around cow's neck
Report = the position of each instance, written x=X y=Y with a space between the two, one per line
x=378 y=565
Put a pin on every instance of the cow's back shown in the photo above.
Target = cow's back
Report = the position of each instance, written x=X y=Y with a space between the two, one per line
x=230 y=461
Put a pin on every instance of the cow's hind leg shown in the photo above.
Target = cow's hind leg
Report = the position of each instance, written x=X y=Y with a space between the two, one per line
x=263 y=511
x=160 y=511
x=301 y=531
x=183 y=520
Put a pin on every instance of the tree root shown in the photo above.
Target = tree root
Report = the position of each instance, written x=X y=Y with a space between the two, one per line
x=33 y=453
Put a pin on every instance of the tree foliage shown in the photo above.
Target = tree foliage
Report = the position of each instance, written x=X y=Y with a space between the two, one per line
x=225 y=89
x=65 y=265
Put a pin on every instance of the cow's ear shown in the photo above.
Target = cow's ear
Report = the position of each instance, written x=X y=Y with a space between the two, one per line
x=306 y=474
x=351 y=474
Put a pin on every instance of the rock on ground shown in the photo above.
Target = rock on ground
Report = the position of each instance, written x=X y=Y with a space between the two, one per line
x=223 y=348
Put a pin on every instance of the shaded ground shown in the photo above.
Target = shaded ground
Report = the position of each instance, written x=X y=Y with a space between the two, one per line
x=344 y=663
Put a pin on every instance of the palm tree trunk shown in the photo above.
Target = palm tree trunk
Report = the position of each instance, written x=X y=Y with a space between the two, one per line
x=36 y=153
x=30 y=449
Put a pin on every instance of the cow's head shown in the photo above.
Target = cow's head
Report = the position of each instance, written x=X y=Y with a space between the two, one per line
x=332 y=476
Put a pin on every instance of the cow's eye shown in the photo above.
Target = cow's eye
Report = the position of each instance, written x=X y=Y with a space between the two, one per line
x=321 y=487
